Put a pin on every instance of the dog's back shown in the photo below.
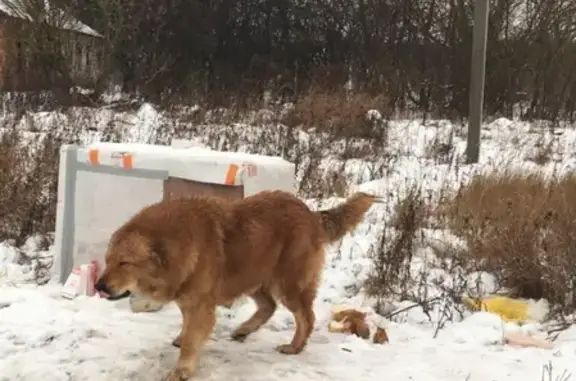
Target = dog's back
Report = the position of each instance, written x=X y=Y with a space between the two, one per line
x=273 y=238
x=276 y=240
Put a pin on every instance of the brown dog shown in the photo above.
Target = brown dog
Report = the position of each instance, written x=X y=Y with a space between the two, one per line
x=206 y=251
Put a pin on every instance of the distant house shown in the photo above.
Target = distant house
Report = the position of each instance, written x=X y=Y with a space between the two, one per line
x=42 y=47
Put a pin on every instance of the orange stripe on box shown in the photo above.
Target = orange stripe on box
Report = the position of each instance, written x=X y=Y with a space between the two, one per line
x=231 y=174
x=93 y=157
x=127 y=161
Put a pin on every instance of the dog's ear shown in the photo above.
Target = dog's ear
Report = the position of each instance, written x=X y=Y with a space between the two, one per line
x=158 y=253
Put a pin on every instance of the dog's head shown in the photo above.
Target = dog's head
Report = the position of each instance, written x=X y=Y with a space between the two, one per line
x=133 y=264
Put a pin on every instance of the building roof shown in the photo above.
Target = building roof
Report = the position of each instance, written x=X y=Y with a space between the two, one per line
x=56 y=16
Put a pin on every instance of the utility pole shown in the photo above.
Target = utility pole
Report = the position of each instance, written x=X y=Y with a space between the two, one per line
x=477 y=79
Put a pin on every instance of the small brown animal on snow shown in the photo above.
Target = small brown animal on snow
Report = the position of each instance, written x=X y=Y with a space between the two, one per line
x=206 y=252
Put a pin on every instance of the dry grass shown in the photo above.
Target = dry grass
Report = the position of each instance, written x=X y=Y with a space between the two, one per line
x=393 y=273
x=549 y=374
x=393 y=253
x=522 y=228
x=338 y=113
x=28 y=184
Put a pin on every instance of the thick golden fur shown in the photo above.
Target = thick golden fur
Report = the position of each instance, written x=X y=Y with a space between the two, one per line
x=206 y=251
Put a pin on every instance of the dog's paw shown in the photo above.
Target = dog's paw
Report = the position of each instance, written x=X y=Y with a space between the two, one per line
x=178 y=374
x=239 y=335
x=288 y=349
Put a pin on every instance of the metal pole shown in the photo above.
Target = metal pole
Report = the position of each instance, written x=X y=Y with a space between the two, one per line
x=477 y=79
x=65 y=218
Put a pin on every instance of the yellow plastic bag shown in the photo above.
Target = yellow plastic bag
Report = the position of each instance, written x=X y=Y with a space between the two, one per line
x=511 y=310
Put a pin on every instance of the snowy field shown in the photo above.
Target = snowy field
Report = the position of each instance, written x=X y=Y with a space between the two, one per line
x=45 y=337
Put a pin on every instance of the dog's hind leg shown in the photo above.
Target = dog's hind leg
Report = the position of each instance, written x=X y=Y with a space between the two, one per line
x=176 y=341
x=301 y=307
x=266 y=308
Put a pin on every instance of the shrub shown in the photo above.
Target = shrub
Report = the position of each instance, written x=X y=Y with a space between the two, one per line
x=392 y=255
x=521 y=227
x=338 y=112
x=28 y=184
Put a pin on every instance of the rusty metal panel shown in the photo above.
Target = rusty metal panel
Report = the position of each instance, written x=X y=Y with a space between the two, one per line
x=181 y=188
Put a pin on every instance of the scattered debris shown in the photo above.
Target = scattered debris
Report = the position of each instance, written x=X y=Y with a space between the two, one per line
x=380 y=337
x=519 y=339
x=349 y=320
x=81 y=281
x=511 y=310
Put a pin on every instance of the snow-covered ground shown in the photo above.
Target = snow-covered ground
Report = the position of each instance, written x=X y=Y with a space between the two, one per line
x=46 y=337
x=43 y=337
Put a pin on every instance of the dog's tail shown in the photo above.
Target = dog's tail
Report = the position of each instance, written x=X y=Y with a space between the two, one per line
x=342 y=219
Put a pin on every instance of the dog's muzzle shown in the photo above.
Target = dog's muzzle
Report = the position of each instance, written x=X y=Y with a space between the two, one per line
x=103 y=288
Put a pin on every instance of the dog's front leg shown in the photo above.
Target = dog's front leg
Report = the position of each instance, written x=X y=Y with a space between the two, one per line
x=197 y=325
